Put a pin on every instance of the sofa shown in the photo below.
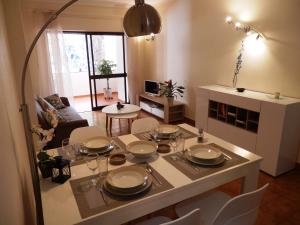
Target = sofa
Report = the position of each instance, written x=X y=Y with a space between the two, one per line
x=72 y=120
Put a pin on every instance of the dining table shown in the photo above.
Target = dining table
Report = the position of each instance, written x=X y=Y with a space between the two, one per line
x=60 y=203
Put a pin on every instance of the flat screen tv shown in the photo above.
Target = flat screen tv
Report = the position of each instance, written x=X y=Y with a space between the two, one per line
x=152 y=87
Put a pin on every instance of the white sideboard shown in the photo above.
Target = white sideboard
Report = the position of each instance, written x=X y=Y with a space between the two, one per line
x=255 y=121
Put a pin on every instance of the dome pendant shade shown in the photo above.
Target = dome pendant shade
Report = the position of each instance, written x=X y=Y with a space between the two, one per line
x=141 y=19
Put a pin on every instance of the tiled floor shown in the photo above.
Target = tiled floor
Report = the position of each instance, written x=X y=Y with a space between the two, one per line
x=83 y=103
x=280 y=204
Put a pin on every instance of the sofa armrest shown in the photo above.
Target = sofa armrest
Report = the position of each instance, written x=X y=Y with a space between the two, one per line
x=65 y=100
x=64 y=130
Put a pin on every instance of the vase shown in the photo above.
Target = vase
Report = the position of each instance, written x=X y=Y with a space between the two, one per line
x=170 y=100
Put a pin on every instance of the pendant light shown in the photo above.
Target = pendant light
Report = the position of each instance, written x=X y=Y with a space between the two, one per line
x=141 y=19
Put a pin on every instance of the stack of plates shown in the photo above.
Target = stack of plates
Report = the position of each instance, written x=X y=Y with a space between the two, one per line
x=165 y=131
x=99 y=145
x=204 y=155
x=142 y=149
x=129 y=181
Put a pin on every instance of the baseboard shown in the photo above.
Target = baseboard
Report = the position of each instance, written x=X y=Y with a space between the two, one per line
x=81 y=96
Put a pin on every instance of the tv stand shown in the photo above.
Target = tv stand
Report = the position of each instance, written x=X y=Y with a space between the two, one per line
x=159 y=107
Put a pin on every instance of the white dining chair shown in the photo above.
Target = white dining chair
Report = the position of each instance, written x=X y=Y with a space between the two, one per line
x=191 y=218
x=217 y=208
x=143 y=125
x=81 y=134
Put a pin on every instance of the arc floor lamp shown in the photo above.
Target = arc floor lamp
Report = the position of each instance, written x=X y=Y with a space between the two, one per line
x=141 y=19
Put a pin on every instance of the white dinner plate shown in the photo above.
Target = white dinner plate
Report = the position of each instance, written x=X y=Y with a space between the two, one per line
x=167 y=130
x=142 y=149
x=127 y=178
x=133 y=192
x=202 y=152
x=204 y=163
x=97 y=143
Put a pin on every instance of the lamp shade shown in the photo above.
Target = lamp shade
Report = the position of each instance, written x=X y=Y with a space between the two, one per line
x=141 y=19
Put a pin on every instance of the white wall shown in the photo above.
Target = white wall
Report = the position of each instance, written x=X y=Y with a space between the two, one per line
x=196 y=46
x=17 y=206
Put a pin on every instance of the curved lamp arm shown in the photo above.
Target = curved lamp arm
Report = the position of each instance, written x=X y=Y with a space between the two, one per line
x=26 y=119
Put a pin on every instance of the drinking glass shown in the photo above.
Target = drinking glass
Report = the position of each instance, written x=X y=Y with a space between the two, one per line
x=68 y=149
x=180 y=143
x=154 y=133
x=173 y=142
x=103 y=165
x=93 y=164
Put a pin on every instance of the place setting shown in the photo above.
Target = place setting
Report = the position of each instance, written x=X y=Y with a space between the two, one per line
x=78 y=153
x=141 y=151
x=203 y=159
x=165 y=132
x=109 y=189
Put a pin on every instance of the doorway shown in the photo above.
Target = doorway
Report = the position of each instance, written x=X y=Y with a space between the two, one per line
x=86 y=52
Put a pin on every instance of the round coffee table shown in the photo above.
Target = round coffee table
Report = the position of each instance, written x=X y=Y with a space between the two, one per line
x=128 y=112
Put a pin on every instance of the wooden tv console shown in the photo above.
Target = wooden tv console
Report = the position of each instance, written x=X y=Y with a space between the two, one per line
x=159 y=107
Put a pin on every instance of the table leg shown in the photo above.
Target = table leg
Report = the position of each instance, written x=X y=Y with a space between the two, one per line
x=110 y=126
x=249 y=182
x=106 y=123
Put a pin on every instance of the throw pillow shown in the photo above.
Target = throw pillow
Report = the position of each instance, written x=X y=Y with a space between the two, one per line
x=55 y=101
x=44 y=104
x=53 y=118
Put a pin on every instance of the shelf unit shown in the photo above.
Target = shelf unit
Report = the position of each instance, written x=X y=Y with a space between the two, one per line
x=160 y=107
x=236 y=116
x=254 y=121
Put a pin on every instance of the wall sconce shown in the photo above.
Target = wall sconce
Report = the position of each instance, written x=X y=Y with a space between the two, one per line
x=244 y=27
x=150 y=37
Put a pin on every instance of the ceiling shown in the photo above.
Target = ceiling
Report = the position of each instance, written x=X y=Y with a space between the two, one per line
x=96 y=2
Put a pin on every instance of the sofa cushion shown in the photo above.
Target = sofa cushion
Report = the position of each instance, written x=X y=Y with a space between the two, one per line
x=55 y=101
x=53 y=117
x=44 y=104
x=69 y=114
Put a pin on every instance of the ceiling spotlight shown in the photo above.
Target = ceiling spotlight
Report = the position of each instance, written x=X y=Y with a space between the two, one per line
x=228 y=19
x=249 y=30
x=238 y=25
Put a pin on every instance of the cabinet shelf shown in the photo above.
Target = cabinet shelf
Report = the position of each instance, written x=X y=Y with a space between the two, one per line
x=159 y=107
x=235 y=116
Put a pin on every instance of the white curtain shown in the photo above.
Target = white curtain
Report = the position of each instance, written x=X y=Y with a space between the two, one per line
x=58 y=60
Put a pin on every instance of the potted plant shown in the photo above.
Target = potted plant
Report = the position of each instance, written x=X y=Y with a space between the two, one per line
x=106 y=68
x=171 y=90
x=45 y=161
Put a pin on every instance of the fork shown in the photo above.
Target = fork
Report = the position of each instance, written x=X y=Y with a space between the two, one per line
x=148 y=168
x=100 y=189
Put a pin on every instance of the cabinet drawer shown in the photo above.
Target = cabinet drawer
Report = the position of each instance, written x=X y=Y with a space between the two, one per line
x=238 y=101
x=158 y=112
x=145 y=106
x=234 y=135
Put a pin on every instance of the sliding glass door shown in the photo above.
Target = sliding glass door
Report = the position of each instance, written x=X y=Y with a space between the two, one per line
x=105 y=65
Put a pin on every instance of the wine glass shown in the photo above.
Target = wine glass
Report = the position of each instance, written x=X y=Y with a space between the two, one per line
x=103 y=165
x=67 y=149
x=93 y=164
x=173 y=142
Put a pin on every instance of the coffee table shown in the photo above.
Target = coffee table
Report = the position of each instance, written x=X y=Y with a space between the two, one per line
x=128 y=112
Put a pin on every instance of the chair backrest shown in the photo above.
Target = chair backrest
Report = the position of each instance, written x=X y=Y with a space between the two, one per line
x=192 y=218
x=81 y=134
x=143 y=125
x=240 y=210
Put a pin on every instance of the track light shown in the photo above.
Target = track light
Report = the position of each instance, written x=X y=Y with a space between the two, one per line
x=244 y=27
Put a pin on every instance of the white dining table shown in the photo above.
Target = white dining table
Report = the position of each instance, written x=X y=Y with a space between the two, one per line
x=60 y=207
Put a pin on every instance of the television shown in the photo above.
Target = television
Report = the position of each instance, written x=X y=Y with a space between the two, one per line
x=152 y=87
